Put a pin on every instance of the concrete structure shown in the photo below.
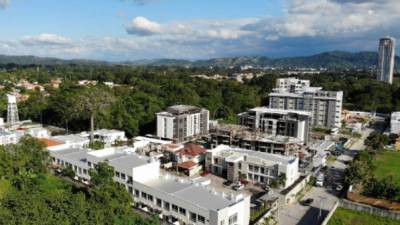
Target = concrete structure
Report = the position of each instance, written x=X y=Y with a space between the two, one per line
x=395 y=123
x=175 y=199
x=243 y=137
x=12 y=111
x=325 y=106
x=292 y=85
x=67 y=141
x=387 y=46
x=108 y=137
x=291 y=123
x=182 y=123
x=259 y=167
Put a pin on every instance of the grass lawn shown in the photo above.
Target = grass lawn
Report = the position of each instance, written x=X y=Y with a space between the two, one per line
x=349 y=217
x=388 y=163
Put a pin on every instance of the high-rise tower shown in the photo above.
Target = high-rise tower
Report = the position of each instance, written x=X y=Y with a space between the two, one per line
x=12 y=110
x=386 y=59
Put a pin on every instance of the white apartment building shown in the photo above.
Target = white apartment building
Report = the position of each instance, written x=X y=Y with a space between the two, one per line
x=177 y=200
x=395 y=123
x=182 y=123
x=291 y=123
x=325 y=106
x=7 y=138
x=387 y=47
x=108 y=137
x=259 y=167
x=292 y=85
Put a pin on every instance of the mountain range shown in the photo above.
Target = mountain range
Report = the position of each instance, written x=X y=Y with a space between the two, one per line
x=330 y=60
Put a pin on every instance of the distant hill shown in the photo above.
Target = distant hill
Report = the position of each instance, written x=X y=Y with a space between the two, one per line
x=330 y=60
x=30 y=60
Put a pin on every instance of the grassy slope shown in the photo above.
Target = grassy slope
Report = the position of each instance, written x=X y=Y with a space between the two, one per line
x=388 y=163
x=349 y=217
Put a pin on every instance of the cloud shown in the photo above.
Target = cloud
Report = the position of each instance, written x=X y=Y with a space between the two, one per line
x=144 y=27
x=4 y=3
x=46 y=39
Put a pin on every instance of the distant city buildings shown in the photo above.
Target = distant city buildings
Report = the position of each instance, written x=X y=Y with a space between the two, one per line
x=182 y=123
x=295 y=94
x=387 y=47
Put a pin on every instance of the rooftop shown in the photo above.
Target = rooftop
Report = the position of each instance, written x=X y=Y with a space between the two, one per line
x=322 y=145
x=192 y=192
x=280 y=111
x=187 y=165
x=180 y=109
x=234 y=154
x=192 y=150
x=50 y=142
x=71 y=138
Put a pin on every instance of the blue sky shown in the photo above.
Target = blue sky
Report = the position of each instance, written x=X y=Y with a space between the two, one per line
x=192 y=29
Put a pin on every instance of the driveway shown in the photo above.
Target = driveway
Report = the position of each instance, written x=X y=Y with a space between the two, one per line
x=314 y=214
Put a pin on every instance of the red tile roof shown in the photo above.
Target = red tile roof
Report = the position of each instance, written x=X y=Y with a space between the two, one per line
x=192 y=150
x=50 y=142
x=187 y=165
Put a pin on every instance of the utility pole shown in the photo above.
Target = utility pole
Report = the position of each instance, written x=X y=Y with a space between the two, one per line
x=320 y=206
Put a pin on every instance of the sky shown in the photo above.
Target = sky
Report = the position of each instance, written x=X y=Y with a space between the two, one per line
x=119 y=30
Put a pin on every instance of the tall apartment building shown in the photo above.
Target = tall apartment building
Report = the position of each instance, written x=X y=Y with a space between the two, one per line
x=386 y=59
x=179 y=201
x=291 y=123
x=259 y=167
x=325 y=106
x=182 y=123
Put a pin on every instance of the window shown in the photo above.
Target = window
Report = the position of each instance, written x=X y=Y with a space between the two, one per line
x=144 y=195
x=240 y=166
x=175 y=208
x=233 y=219
x=201 y=219
x=159 y=202
x=250 y=167
x=122 y=176
x=85 y=171
x=130 y=189
x=182 y=211
x=130 y=180
x=166 y=206
x=89 y=164
x=150 y=197
x=137 y=193
x=193 y=217
x=116 y=173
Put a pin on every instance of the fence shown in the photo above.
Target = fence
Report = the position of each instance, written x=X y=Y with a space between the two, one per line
x=369 y=209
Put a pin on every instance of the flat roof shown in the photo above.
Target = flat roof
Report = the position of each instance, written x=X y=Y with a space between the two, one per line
x=190 y=192
x=322 y=145
x=280 y=111
x=70 y=138
x=73 y=154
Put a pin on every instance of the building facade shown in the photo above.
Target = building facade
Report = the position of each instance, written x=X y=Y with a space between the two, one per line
x=259 y=167
x=395 y=123
x=175 y=199
x=387 y=46
x=325 y=106
x=291 y=123
x=182 y=123
x=244 y=137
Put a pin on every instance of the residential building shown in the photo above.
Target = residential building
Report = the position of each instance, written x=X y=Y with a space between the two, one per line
x=259 y=167
x=395 y=123
x=387 y=46
x=108 y=137
x=182 y=123
x=325 y=106
x=190 y=159
x=291 y=123
x=175 y=199
x=7 y=138
x=243 y=137
x=292 y=85
x=68 y=141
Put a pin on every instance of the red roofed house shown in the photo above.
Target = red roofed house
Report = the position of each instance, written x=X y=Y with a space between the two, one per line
x=190 y=159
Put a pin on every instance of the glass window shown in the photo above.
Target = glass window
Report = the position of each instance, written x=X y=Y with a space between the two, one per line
x=193 y=217
x=182 y=211
x=233 y=219
x=175 y=208
x=116 y=173
x=201 y=219
x=166 y=206
x=137 y=193
x=159 y=202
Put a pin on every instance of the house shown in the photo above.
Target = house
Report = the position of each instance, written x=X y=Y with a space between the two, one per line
x=190 y=159
x=259 y=167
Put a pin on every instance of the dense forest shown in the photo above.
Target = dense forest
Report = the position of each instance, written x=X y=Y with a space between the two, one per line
x=30 y=194
x=143 y=91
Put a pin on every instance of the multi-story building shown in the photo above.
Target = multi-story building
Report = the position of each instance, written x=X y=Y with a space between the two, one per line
x=259 y=167
x=386 y=59
x=291 y=123
x=243 y=137
x=176 y=199
x=325 y=106
x=182 y=123
x=395 y=123
x=292 y=85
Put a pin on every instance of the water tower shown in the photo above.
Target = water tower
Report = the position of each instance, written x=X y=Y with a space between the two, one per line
x=12 y=110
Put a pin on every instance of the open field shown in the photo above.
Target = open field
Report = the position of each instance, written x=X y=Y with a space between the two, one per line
x=387 y=163
x=350 y=217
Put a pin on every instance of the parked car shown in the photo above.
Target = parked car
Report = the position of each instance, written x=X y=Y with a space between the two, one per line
x=307 y=201
x=339 y=187
x=238 y=186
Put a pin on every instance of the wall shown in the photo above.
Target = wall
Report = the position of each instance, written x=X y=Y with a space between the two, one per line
x=290 y=197
x=369 y=209
x=330 y=214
